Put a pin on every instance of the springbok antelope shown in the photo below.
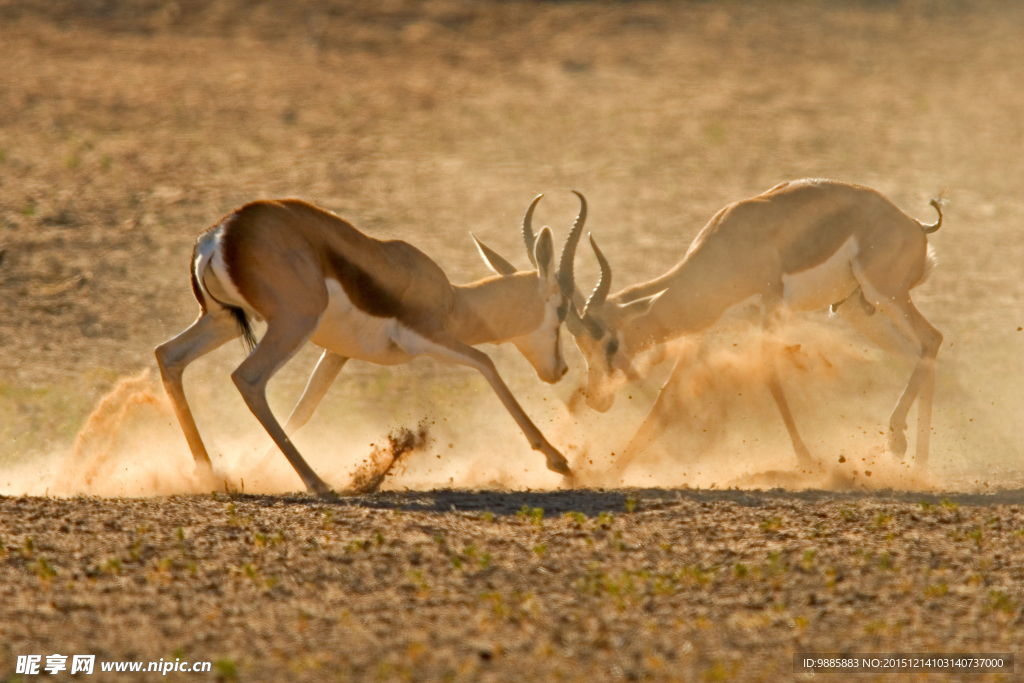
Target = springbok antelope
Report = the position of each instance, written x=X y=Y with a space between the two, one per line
x=312 y=276
x=803 y=244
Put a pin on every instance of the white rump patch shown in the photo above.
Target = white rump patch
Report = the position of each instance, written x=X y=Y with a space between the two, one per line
x=930 y=261
x=213 y=271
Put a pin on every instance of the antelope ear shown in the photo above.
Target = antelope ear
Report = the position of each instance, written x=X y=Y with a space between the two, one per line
x=544 y=254
x=640 y=306
x=495 y=262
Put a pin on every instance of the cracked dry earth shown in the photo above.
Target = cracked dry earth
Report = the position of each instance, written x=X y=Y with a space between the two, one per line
x=574 y=585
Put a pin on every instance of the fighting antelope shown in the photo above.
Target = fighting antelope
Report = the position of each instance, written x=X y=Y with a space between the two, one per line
x=312 y=276
x=804 y=245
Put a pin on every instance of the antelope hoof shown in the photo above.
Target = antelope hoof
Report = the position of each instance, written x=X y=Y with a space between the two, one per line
x=205 y=477
x=559 y=465
x=321 y=489
x=897 y=442
x=803 y=457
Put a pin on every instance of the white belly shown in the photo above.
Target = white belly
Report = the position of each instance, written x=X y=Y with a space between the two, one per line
x=349 y=332
x=824 y=284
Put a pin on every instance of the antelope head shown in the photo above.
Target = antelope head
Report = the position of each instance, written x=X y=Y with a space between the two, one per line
x=602 y=336
x=548 y=294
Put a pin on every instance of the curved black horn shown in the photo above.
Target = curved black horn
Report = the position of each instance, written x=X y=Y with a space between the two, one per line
x=597 y=299
x=566 y=277
x=528 y=235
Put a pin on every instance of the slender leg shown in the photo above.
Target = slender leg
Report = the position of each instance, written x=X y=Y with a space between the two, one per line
x=803 y=455
x=283 y=338
x=453 y=351
x=768 y=322
x=210 y=331
x=921 y=384
x=665 y=405
x=324 y=374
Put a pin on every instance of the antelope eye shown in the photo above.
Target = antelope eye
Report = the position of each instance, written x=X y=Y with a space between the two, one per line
x=612 y=347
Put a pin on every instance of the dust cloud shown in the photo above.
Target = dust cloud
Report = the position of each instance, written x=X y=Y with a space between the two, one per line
x=717 y=427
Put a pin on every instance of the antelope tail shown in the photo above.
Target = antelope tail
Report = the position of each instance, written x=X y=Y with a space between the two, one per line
x=929 y=229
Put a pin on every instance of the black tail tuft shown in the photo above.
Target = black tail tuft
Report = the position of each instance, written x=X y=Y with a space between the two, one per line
x=244 y=328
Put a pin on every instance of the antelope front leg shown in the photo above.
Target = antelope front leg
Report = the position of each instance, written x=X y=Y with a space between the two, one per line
x=768 y=348
x=463 y=354
x=324 y=374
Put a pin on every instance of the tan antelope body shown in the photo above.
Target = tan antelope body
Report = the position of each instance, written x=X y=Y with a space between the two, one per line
x=804 y=245
x=314 y=277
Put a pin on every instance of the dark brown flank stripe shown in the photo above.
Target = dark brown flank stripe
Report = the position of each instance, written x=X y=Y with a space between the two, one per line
x=362 y=290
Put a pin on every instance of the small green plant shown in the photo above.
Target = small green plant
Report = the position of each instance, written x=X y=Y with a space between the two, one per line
x=937 y=590
x=631 y=503
x=882 y=519
x=327 y=517
x=226 y=669
x=487 y=516
x=776 y=565
x=978 y=536
x=534 y=515
x=485 y=561
x=846 y=514
x=741 y=570
x=925 y=505
x=605 y=520
x=950 y=505
x=416 y=577
x=771 y=524
x=113 y=565
x=540 y=549
x=44 y=570
x=135 y=549
x=886 y=562
x=578 y=518
x=378 y=537
x=456 y=561
x=998 y=600
x=874 y=626
x=29 y=548
x=808 y=559
x=179 y=533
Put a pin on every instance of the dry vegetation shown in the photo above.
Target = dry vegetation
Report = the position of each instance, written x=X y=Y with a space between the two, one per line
x=127 y=127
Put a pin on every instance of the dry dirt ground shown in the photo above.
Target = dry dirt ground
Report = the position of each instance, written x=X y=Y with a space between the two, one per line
x=549 y=586
x=127 y=127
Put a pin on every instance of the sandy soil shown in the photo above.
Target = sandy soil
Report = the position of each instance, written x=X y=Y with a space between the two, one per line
x=126 y=128
x=465 y=585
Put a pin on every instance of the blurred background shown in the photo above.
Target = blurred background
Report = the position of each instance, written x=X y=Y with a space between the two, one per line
x=127 y=127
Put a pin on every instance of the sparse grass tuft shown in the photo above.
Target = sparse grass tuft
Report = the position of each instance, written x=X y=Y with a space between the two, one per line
x=226 y=669
x=43 y=569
